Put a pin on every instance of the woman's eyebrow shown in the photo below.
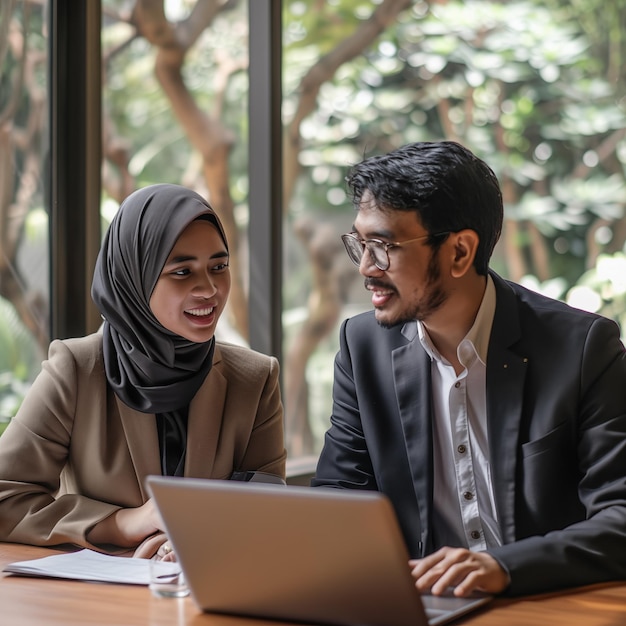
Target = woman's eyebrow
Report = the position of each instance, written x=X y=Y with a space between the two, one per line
x=188 y=257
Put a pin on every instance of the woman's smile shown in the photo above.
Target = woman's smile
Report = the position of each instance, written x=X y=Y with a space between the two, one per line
x=201 y=316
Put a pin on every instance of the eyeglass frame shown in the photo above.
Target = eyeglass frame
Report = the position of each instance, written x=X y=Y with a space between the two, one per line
x=386 y=246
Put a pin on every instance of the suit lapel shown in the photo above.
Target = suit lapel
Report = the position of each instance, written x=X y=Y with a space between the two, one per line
x=206 y=414
x=411 y=373
x=143 y=440
x=143 y=443
x=506 y=373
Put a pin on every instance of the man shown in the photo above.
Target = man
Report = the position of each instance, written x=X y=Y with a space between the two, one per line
x=494 y=418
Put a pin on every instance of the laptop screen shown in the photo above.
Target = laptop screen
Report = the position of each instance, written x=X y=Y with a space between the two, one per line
x=293 y=553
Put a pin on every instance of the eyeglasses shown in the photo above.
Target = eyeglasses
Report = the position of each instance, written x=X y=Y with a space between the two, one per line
x=378 y=250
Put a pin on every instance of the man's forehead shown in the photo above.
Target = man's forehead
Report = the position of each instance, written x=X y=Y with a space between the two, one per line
x=386 y=223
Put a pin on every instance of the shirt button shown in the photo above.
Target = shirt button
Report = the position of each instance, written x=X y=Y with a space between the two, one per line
x=457 y=384
x=462 y=449
x=468 y=495
x=475 y=534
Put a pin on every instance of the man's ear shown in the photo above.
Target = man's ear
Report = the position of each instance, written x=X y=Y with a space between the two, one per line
x=464 y=245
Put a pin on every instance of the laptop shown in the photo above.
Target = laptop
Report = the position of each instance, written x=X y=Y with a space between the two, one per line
x=294 y=553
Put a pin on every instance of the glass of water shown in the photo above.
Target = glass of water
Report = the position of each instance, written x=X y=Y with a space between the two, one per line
x=166 y=578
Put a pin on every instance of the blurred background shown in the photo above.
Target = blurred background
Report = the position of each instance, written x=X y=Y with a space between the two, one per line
x=537 y=88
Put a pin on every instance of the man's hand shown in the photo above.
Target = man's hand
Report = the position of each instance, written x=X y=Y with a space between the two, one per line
x=461 y=569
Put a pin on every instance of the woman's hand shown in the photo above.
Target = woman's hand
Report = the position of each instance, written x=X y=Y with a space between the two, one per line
x=127 y=527
x=463 y=570
x=155 y=545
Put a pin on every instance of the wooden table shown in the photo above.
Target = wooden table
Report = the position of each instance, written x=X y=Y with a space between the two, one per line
x=44 y=602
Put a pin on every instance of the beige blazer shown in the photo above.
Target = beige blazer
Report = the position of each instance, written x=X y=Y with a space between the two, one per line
x=75 y=453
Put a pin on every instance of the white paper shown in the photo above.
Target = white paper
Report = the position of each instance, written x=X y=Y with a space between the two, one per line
x=91 y=566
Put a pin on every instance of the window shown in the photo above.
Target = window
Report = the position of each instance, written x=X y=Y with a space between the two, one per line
x=263 y=108
x=24 y=292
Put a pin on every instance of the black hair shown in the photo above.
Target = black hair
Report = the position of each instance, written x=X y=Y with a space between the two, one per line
x=449 y=188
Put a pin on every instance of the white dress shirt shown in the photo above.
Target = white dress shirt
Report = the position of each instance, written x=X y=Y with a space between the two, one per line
x=464 y=506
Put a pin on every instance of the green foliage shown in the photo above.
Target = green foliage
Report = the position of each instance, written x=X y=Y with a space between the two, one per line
x=526 y=85
x=531 y=86
x=18 y=360
x=602 y=289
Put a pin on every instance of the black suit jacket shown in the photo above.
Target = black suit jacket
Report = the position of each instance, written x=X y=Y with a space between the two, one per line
x=556 y=413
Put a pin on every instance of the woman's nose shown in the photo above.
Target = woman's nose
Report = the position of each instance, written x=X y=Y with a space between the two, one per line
x=205 y=286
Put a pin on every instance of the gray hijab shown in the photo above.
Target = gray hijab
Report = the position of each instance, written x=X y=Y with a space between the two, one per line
x=150 y=368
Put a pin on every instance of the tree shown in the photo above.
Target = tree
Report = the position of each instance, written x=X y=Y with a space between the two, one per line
x=22 y=126
x=210 y=138
x=536 y=88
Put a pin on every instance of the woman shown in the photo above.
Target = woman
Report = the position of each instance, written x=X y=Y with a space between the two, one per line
x=151 y=393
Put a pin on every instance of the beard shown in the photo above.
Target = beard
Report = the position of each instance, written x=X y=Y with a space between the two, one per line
x=432 y=298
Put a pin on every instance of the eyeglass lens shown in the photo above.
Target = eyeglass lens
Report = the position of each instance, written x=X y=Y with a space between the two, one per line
x=355 y=250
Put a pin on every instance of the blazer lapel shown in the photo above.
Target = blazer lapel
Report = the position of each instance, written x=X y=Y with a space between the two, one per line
x=506 y=373
x=202 y=437
x=206 y=414
x=411 y=372
x=143 y=443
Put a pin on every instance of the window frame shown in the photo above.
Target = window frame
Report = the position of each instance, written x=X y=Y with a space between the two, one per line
x=74 y=169
x=74 y=163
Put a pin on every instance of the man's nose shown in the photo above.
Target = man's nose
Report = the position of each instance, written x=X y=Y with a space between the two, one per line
x=367 y=267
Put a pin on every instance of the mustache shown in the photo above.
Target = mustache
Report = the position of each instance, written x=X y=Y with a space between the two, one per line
x=375 y=282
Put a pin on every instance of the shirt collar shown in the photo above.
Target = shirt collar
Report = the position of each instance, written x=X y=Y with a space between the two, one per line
x=476 y=342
